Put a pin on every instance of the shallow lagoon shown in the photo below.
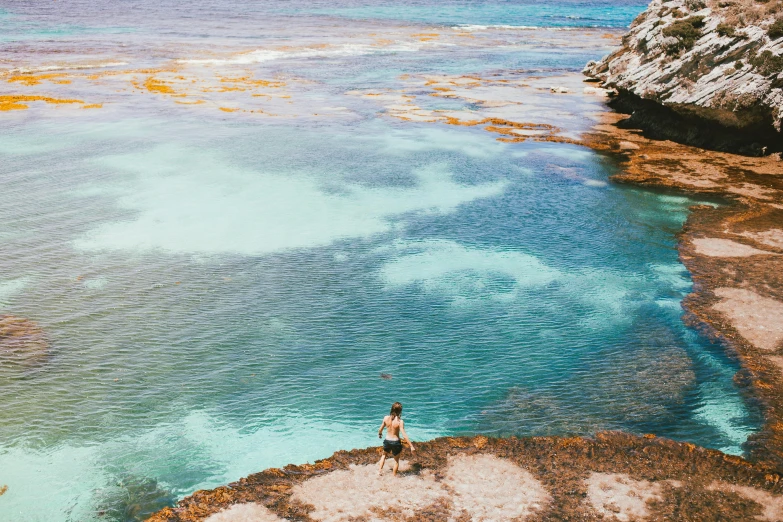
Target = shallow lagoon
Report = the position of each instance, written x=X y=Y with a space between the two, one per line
x=221 y=293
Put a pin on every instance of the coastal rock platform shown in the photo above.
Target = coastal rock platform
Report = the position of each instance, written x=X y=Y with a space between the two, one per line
x=707 y=73
x=613 y=476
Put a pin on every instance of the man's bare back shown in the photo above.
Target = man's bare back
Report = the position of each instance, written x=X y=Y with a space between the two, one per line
x=392 y=446
x=392 y=425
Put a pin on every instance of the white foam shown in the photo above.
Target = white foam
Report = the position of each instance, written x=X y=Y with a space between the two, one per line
x=195 y=202
x=47 y=68
x=334 y=51
x=475 y=27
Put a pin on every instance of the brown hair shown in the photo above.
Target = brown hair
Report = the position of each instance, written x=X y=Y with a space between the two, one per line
x=396 y=410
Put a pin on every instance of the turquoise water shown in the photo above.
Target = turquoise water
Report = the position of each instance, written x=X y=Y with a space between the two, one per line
x=520 y=14
x=222 y=291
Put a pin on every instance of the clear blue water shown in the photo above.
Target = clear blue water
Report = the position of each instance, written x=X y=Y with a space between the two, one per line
x=221 y=292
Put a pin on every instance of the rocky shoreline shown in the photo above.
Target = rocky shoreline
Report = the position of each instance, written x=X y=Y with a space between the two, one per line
x=735 y=255
x=699 y=74
x=713 y=92
x=707 y=73
x=614 y=476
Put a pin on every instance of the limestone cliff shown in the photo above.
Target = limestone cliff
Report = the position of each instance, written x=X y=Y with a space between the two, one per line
x=708 y=74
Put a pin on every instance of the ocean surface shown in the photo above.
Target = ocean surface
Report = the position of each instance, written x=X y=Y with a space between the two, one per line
x=226 y=241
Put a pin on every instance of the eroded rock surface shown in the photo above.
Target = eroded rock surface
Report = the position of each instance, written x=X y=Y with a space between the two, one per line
x=758 y=319
x=617 y=496
x=250 y=512
x=732 y=250
x=772 y=504
x=613 y=476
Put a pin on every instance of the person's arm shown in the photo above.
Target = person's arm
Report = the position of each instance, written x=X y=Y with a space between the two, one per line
x=380 y=430
x=405 y=435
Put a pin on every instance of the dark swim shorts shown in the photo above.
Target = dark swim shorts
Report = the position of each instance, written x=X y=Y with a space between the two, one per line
x=392 y=446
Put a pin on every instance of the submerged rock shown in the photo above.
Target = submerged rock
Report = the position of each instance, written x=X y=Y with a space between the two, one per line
x=132 y=499
x=23 y=343
x=706 y=74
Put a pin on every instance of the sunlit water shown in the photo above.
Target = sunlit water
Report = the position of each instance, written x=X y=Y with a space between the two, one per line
x=222 y=291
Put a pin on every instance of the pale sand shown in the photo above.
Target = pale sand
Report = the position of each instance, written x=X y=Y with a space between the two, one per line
x=484 y=487
x=359 y=491
x=753 y=191
x=772 y=505
x=772 y=237
x=715 y=247
x=244 y=513
x=617 y=496
x=490 y=489
x=758 y=319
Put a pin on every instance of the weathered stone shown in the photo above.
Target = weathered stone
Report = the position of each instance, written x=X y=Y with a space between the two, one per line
x=720 y=91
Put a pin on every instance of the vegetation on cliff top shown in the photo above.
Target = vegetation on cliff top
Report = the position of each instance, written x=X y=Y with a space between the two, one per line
x=686 y=32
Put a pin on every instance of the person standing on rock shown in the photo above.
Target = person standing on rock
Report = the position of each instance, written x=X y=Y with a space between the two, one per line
x=392 y=445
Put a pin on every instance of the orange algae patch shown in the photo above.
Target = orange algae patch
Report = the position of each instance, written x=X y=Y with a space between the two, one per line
x=450 y=120
x=228 y=109
x=32 y=79
x=426 y=37
x=223 y=89
x=244 y=83
x=152 y=84
x=18 y=102
x=93 y=106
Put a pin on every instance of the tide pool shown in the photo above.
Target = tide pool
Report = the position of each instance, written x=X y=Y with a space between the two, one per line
x=221 y=290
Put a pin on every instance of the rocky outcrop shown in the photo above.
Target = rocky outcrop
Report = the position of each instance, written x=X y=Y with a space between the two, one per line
x=705 y=74
x=612 y=476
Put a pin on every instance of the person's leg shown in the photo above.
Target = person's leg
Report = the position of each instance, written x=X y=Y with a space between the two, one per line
x=396 y=463
x=382 y=462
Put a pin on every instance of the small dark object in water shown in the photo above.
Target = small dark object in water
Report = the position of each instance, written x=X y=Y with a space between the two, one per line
x=386 y=376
